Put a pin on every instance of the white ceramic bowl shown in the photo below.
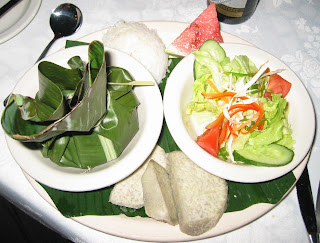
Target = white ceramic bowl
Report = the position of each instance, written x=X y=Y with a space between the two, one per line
x=178 y=94
x=150 y=113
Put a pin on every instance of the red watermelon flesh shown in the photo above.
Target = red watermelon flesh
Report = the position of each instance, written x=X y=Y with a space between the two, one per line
x=204 y=27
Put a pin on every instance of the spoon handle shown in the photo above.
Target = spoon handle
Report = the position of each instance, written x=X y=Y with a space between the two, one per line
x=45 y=51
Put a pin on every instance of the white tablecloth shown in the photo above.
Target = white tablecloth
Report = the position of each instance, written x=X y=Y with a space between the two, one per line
x=288 y=29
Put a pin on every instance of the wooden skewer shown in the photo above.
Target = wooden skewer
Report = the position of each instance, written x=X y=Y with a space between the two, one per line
x=135 y=83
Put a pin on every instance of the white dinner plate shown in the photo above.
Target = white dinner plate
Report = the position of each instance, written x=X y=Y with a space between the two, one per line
x=150 y=113
x=17 y=18
x=178 y=94
x=146 y=229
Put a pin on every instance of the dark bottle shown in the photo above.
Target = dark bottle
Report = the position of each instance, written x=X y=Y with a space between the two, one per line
x=234 y=11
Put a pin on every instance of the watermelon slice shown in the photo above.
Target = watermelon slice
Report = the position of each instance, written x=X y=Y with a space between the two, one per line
x=204 y=27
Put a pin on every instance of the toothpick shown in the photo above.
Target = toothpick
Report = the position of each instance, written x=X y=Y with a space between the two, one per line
x=135 y=83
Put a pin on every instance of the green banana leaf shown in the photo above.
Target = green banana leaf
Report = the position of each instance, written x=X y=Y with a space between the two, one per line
x=72 y=43
x=58 y=116
x=72 y=204
x=105 y=141
x=240 y=197
x=45 y=116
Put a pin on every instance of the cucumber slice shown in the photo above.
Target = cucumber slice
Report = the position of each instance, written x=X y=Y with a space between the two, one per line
x=270 y=155
x=215 y=50
x=198 y=70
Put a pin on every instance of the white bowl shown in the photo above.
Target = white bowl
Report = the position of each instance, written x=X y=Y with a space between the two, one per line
x=178 y=94
x=150 y=113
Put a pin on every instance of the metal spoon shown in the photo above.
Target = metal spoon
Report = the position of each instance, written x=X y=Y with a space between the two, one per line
x=64 y=21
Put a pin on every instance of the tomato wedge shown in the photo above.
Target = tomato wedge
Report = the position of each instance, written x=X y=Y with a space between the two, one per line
x=209 y=140
x=277 y=85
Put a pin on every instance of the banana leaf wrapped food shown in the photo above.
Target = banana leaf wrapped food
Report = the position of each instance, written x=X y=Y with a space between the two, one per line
x=76 y=117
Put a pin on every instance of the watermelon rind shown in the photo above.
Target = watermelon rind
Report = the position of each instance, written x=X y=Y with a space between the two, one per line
x=175 y=52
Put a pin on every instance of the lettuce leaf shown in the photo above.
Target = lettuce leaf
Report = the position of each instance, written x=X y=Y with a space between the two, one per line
x=216 y=65
x=277 y=129
x=240 y=64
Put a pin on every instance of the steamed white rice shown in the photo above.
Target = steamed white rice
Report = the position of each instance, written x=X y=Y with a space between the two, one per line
x=141 y=43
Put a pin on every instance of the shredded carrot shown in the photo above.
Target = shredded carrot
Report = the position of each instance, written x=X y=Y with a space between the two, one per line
x=222 y=95
x=252 y=106
x=237 y=110
x=218 y=95
x=213 y=86
x=230 y=131
x=261 y=114
x=224 y=132
x=216 y=122
x=256 y=123
x=242 y=97
x=245 y=123
x=232 y=134
x=257 y=106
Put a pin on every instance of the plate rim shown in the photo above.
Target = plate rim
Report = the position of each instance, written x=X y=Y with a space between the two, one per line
x=23 y=22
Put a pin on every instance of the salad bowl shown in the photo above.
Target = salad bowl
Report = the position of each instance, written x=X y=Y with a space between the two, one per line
x=179 y=92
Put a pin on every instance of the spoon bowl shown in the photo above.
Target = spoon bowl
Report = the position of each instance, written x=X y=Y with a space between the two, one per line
x=64 y=21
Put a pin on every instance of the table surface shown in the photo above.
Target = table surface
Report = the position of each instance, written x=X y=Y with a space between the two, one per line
x=288 y=29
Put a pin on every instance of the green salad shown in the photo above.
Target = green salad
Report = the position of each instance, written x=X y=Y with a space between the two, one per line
x=239 y=109
x=76 y=118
